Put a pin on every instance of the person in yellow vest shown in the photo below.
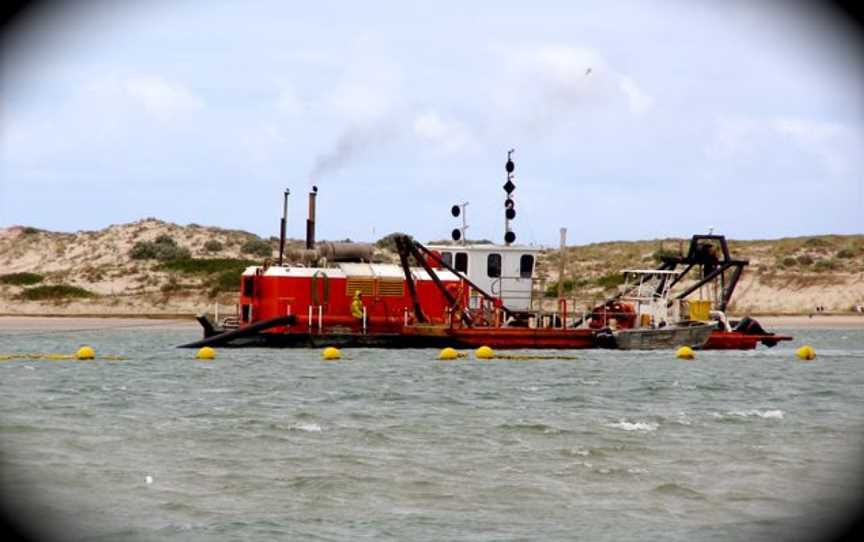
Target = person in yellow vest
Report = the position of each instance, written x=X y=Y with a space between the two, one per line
x=357 y=306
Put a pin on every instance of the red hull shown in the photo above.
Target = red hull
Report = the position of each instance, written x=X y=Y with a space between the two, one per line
x=520 y=337
x=734 y=340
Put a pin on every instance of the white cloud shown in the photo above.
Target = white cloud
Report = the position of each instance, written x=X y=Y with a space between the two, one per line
x=162 y=98
x=367 y=92
x=448 y=135
x=639 y=101
x=550 y=82
x=741 y=138
x=830 y=141
x=153 y=94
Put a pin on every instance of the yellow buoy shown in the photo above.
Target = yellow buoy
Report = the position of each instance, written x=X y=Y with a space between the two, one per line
x=206 y=353
x=484 y=352
x=685 y=352
x=331 y=353
x=806 y=353
x=449 y=354
x=85 y=352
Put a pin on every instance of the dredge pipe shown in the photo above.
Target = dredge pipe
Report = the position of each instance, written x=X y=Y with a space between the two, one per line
x=227 y=336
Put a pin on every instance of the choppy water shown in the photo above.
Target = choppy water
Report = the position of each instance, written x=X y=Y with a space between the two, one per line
x=394 y=445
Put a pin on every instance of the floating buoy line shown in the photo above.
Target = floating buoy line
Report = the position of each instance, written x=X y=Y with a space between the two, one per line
x=485 y=353
x=85 y=353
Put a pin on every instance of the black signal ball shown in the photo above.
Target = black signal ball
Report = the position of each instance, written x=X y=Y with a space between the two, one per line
x=454 y=210
x=509 y=166
x=510 y=213
x=456 y=234
x=509 y=237
x=509 y=203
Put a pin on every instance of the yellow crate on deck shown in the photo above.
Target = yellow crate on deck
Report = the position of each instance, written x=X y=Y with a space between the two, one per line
x=700 y=309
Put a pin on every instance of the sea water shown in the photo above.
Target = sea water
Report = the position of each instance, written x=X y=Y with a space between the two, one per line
x=270 y=444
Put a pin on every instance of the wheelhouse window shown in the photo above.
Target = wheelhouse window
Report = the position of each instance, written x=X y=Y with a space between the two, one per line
x=493 y=265
x=447 y=257
x=526 y=266
x=461 y=262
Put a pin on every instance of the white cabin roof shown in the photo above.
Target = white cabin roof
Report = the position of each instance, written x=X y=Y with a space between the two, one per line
x=486 y=248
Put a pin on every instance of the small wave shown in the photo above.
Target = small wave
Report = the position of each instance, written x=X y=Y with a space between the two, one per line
x=531 y=427
x=678 y=491
x=774 y=414
x=574 y=452
x=634 y=426
x=307 y=427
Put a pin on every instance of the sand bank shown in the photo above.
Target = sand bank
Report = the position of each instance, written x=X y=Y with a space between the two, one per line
x=816 y=321
x=59 y=323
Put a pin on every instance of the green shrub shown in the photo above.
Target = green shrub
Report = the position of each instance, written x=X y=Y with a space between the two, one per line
x=58 y=291
x=257 y=247
x=223 y=273
x=805 y=259
x=825 y=265
x=610 y=280
x=205 y=266
x=816 y=242
x=789 y=261
x=164 y=248
x=226 y=281
x=30 y=230
x=21 y=279
x=569 y=285
x=845 y=253
x=213 y=246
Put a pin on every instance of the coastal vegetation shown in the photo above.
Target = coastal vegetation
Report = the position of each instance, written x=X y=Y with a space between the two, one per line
x=163 y=248
x=257 y=247
x=54 y=292
x=21 y=279
x=221 y=274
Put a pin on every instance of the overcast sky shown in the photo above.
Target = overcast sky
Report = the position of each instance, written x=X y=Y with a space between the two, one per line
x=630 y=120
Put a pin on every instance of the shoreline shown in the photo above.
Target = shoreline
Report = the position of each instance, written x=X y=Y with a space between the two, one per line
x=88 y=322
x=812 y=321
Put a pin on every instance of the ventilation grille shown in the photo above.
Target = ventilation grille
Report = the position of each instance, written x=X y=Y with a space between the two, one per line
x=391 y=287
x=366 y=286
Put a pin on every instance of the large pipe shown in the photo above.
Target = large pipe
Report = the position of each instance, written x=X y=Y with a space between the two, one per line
x=333 y=252
x=345 y=252
x=310 y=222
x=282 y=226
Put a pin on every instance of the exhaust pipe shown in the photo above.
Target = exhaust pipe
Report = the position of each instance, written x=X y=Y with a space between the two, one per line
x=310 y=222
x=282 y=227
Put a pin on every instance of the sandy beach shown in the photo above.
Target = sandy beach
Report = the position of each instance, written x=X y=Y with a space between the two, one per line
x=816 y=321
x=60 y=323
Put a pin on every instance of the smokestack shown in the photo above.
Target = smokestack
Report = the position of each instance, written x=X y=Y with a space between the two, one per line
x=282 y=226
x=310 y=222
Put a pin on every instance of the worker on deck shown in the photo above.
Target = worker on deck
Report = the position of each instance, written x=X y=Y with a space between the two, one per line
x=357 y=306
